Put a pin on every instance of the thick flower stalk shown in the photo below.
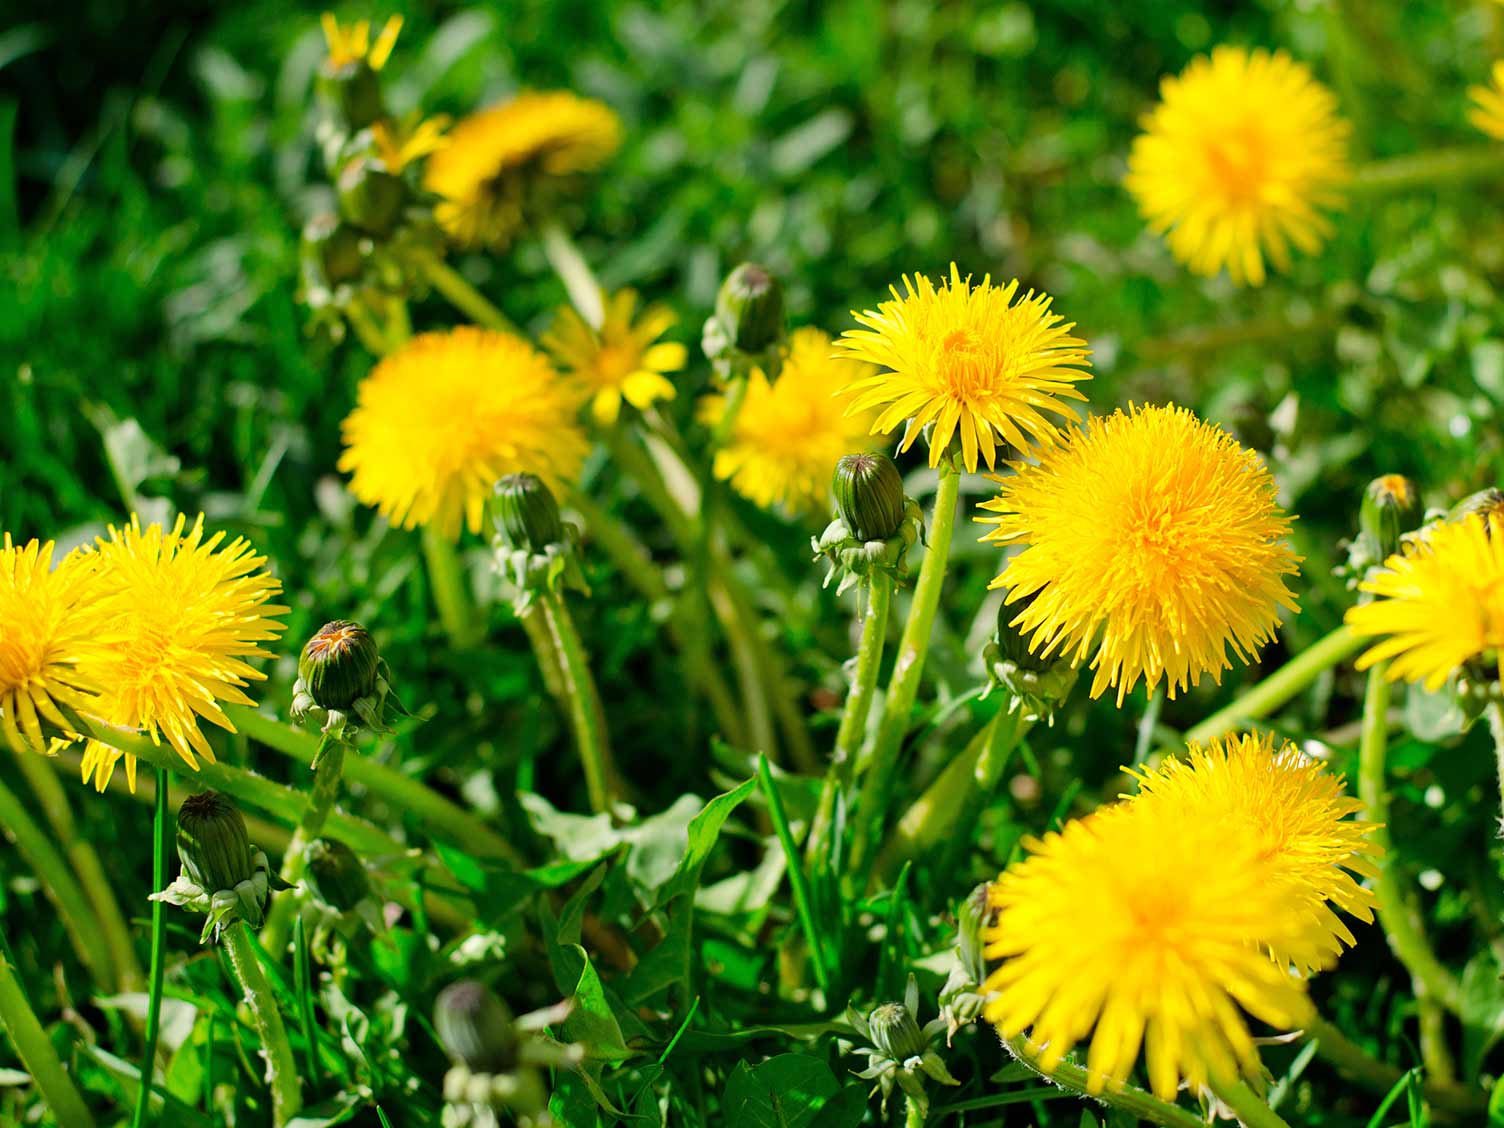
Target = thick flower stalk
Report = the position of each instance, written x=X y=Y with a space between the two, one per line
x=1151 y=543
x=975 y=363
x=622 y=360
x=1238 y=161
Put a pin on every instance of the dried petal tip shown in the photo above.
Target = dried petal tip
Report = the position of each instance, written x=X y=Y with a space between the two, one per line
x=212 y=843
x=526 y=515
x=869 y=496
x=336 y=876
x=475 y=1027
x=339 y=665
x=750 y=307
x=1390 y=503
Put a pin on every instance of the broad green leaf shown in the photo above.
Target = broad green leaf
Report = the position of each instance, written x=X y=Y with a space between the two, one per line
x=668 y=961
x=593 y=1022
x=703 y=831
x=579 y=838
x=786 y=1091
x=1482 y=1010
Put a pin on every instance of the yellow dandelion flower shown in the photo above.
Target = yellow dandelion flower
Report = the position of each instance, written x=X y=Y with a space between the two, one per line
x=1487 y=111
x=1236 y=160
x=1140 y=928
x=439 y=421
x=398 y=146
x=503 y=165
x=790 y=432
x=1152 y=541
x=49 y=620
x=182 y=613
x=1441 y=603
x=353 y=44
x=621 y=360
x=1295 y=813
x=970 y=360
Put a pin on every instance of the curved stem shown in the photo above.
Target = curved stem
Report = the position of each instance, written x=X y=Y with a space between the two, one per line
x=579 y=280
x=1128 y=1098
x=466 y=629
x=1399 y=916
x=544 y=651
x=281 y=1069
x=1495 y=713
x=1438 y=166
x=1355 y=1063
x=159 y=831
x=584 y=704
x=908 y=667
x=325 y=792
x=1280 y=686
x=1247 y=1106
x=36 y=1053
x=458 y=291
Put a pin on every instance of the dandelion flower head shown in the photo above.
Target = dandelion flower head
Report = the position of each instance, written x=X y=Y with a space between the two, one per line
x=624 y=359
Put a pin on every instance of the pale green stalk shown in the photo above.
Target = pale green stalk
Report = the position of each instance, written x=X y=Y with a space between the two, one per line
x=579 y=280
x=321 y=800
x=1128 y=1098
x=158 y=973
x=458 y=291
x=465 y=627
x=1248 y=1106
x=544 y=652
x=36 y=1053
x=1355 y=1063
x=281 y=1069
x=585 y=709
x=1495 y=713
x=1425 y=169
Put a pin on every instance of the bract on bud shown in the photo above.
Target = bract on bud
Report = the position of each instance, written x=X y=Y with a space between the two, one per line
x=212 y=842
x=896 y=1032
x=339 y=665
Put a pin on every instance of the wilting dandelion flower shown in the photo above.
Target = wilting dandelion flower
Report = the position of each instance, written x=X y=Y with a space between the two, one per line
x=968 y=359
x=1236 y=161
x=353 y=44
x=437 y=423
x=182 y=614
x=622 y=359
x=1441 y=603
x=1487 y=111
x=504 y=166
x=790 y=431
x=50 y=619
x=1294 y=812
x=1152 y=541
x=1139 y=928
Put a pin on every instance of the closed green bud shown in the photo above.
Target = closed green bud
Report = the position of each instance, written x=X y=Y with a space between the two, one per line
x=1390 y=504
x=335 y=875
x=1013 y=643
x=339 y=665
x=475 y=1027
x=972 y=919
x=353 y=89
x=896 y=1032
x=212 y=843
x=1488 y=504
x=526 y=514
x=331 y=250
x=750 y=307
x=370 y=197
x=869 y=496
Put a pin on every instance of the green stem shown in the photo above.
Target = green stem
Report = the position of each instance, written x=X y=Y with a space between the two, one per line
x=311 y=822
x=401 y=791
x=91 y=876
x=281 y=1069
x=1439 y=166
x=749 y=671
x=544 y=652
x=1495 y=713
x=1247 y=1106
x=47 y=862
x=458 y=291
x=1355 y=1063
x=1397 y=912
x=914 y=1112
x=160 y=826
x=584 y=704
x=1280 y=686
x=464 y=626
x=876 y=772
x=370 y=335
x=579 y=280
x=795 y=870
x=869 y=659
x=1128 y=1098
x=35 y=1050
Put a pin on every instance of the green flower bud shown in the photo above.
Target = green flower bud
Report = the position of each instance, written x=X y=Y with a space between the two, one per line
x=212 y=843
x=370 y=197
x=1390 y=504
x=869 y=495
x=335 y=875
x=526 y=514
x=973 y=917
x=1488 y=504
x=339 y=665
x=475 y=1027
x=896 y=1033
x=331 y=250
x=750 y=307
x=1013 y=643
x=353 y=89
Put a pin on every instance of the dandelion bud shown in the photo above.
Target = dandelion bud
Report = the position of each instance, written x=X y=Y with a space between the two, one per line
x=475 y=1027
x=972 y=918
x=339 y=665
x=896 y=1033
x=869 y=496
x=331 y=250
x=750 y=307
x=1389 y=505
x=212 y=842
x=353 y=89
x=1488 y=504
x=335 y=875
x=370 y=197
x=527 y=516
x=1013 y=643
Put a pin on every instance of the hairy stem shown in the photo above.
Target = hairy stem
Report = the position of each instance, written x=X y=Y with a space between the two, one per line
x=326 y=786
x=1128 y=1098
x=584 y=704
x=1355 y=1063
x=1248 y=1106
x=281 y=1069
